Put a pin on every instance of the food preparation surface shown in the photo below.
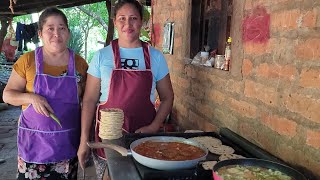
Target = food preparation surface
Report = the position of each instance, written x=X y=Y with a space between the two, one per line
x=126 y=167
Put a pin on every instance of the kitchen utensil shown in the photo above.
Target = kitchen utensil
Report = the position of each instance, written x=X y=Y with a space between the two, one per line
x=54 y=117
x=259 y=163
x=155 y=163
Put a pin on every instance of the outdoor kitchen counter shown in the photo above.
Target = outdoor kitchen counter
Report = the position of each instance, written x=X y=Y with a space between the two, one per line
x=120 y=167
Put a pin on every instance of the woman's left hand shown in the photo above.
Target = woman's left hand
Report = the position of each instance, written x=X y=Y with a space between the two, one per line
x=152 y=128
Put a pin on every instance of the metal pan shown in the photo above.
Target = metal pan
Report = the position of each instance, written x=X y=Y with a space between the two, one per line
x=155 y=163
x=259 y=163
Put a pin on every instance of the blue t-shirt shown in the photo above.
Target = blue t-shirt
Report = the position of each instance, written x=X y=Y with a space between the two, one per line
x=102 y=64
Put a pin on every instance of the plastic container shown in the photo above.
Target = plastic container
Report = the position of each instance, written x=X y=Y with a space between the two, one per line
x=204 y=56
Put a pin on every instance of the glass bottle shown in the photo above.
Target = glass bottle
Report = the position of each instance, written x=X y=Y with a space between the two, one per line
x=227 y=55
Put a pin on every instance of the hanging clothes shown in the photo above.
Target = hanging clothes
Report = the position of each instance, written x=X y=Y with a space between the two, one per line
x=26 y=33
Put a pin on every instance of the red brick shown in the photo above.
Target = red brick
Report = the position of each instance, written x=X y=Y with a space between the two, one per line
x=178 y=42
x=266 y=141
x=286 y=72
x=285 y=20
x=258 y=48
x=303 y=105
x=207 y=126
x=291 y=154
x=244 y=108
x=309 y=19
x=181 y=109
x=234 y=86
x=313 y=138
x=190 y=71
x=217 y=82
x=198 y=91
x=178 y=66
x=179 y=117
x=175 y=3
x=178 y=92
x=266 y=94
x=247 y=67
x=183 y=82
x=248 y=131
x=313 y=165
x=217 y=96
x=189 y=98
x=205 y=109
x=173 y=78
x=250 y=4
x=194 y=119
x=310 y=78
x=281 y=125
x=308 y=50
x=178 y=15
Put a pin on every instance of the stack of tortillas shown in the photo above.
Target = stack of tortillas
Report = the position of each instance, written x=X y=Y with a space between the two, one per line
x=111 y=121
x=215 y=146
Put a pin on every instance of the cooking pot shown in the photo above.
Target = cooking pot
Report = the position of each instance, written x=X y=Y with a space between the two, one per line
x=258 y=163
x=155 y=163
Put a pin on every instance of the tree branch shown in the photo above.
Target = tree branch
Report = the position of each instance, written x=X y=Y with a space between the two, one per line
x=95 y=16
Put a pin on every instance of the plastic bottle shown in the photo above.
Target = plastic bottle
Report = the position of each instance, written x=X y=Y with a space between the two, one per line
x=227 y=55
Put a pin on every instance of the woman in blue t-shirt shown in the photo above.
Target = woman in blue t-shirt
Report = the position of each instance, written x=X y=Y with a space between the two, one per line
x=125 y=75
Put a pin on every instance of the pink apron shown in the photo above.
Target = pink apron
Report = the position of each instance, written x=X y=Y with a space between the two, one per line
x=40 y=138
x=130 y=91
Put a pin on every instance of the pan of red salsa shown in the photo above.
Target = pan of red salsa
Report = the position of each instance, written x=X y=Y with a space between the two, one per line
x=168 y=153
x=162 y=152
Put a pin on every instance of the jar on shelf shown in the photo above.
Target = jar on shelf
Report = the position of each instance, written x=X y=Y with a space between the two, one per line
x=219 y=61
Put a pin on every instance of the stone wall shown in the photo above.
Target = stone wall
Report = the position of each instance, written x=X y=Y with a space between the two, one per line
x=271 y=94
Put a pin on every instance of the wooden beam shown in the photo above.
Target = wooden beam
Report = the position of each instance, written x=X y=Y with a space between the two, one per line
x=10 y=13
x=37 y=6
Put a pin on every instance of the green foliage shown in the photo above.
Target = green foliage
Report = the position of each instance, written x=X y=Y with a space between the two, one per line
x=146 y=13
x=76 y=41
x=82 y=25
x=145 y=30
x=24 y=19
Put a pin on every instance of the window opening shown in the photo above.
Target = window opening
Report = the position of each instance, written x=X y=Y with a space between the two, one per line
x=210 y=25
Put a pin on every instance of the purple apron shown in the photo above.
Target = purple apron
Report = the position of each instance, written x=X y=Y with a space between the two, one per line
x=40 y=138
x=130 y=91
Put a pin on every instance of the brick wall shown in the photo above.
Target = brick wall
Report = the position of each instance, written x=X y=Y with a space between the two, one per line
x=271 y=94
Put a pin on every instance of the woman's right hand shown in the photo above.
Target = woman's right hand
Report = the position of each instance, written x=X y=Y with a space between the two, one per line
x=40 y=104
x=83 y=154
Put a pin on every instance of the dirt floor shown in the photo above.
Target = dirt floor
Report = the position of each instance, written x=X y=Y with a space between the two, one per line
x=8 y=146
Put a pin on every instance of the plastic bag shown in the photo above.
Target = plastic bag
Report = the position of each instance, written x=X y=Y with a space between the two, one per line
x=8 y=49
x=9 y=45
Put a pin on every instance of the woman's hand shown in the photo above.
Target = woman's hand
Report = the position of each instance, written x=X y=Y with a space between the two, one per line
x=83 y=154
x=40 y=104
x=152 y=128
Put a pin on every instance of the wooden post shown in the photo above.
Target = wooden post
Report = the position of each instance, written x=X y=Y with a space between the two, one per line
x=110 y=6
x=4 y=28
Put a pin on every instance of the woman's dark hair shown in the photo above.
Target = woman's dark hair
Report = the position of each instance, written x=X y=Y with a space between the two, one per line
x=51 y=11
x=135 y=3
